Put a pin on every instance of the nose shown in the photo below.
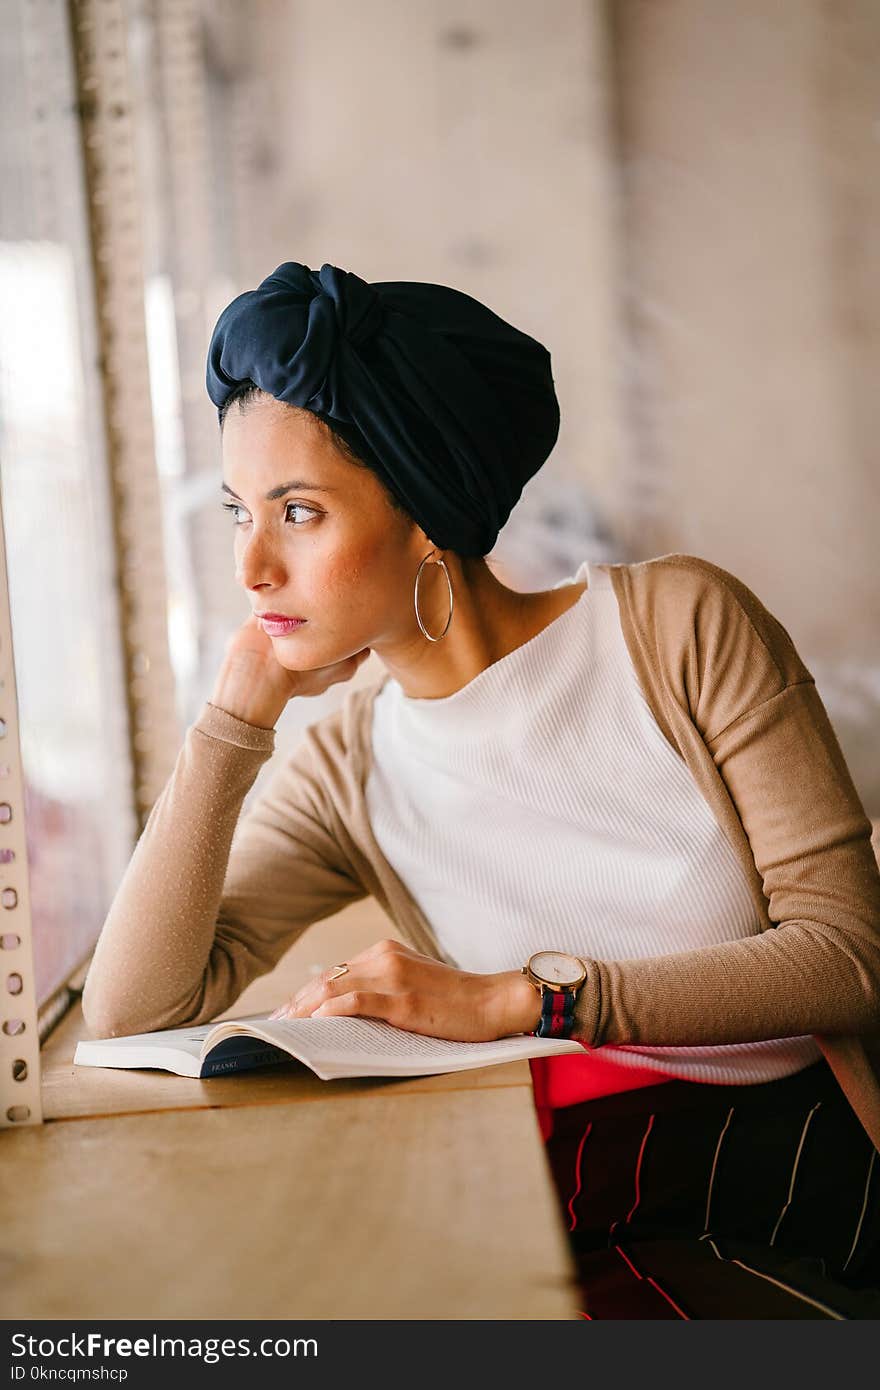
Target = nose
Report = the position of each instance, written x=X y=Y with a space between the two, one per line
x=260 y=563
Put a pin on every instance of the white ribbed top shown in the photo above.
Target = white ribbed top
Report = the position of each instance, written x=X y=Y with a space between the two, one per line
x=541 y=806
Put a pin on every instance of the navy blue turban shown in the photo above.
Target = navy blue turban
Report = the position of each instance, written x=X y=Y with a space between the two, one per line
x=451 y=406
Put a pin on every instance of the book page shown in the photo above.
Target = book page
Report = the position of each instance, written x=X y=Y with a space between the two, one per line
x=332 y=1047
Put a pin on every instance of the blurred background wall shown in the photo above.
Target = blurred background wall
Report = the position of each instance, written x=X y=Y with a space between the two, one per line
x=678 y=197
x=748 y=162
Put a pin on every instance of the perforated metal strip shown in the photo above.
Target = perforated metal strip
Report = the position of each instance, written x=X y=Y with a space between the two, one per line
x=19 y=1041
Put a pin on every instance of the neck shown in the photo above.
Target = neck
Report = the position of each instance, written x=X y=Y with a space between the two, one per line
x=489 y=620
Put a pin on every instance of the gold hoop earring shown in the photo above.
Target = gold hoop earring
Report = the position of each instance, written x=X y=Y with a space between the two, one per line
x=442 y=562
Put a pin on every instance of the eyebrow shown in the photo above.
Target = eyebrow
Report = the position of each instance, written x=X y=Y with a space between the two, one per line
x=283 y=488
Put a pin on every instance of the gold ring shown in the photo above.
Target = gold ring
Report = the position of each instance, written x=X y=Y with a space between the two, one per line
x=337 y=971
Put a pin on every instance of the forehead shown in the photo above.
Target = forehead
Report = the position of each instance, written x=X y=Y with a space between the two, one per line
x=266 y=423
x=270 y=442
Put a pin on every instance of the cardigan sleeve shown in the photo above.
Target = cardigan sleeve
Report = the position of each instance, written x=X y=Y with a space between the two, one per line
x=211 y=899
x=759 y=715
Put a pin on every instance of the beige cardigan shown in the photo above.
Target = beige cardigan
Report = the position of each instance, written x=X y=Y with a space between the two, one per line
x=211 y=899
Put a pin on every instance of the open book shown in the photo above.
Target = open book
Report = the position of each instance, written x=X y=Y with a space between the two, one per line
x=332 y=1047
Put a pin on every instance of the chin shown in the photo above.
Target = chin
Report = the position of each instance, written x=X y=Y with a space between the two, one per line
x=292 y=659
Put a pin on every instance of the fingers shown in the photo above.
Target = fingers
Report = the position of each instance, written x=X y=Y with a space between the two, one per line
x=387 y=962
x=404 y=1010
x=355 y=1002
x=361 y=1003
x=307 y=999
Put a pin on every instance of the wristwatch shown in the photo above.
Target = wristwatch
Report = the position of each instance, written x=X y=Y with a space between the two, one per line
x=557 y=977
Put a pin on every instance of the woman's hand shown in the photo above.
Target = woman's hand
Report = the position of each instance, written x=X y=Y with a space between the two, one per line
x=254 y=686
x=392 y=982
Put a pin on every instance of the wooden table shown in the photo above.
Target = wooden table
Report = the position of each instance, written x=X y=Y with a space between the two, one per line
x=274 y=1194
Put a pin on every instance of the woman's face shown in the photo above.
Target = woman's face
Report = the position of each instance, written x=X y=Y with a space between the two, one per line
x=332 y=549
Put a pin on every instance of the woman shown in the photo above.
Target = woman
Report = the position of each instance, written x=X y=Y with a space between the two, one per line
x=632 y=772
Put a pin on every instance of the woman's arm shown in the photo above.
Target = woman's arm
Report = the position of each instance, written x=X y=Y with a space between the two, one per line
x=207 y=903
x=757 y=710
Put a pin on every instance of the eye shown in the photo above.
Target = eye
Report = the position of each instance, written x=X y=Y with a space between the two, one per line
x=233 y=507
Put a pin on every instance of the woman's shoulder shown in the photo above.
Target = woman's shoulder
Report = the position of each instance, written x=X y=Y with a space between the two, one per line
x=699 y=630
x=682 y=593
x=678 y=573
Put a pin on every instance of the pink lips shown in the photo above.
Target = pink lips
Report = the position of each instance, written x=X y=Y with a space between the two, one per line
x=277 y=625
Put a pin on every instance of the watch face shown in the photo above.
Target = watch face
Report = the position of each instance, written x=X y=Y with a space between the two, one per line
x=557 y=967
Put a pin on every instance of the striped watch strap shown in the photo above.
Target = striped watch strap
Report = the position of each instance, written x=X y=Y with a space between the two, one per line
x=557 y=1014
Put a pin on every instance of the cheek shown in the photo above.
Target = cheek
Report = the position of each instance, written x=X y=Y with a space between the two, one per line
x=358 y=569
x=344 y=585
x=362 y=585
